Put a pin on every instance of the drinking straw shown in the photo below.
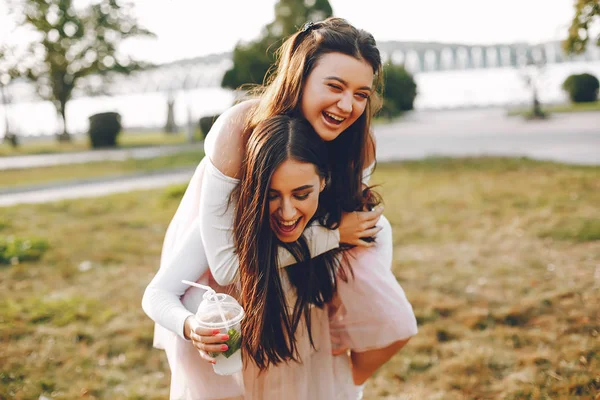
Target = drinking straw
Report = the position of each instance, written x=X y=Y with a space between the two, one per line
x=210 y=295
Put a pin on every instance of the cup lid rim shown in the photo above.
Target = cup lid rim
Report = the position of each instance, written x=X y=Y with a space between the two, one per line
x=231 y=322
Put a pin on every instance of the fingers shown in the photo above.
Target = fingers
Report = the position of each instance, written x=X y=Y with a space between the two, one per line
x=335 y=339
x=362 y=243
x=204 y=355
x=340 y=351
x=209 y=342
x=211 y=337
x=369 y=218
x=371 y=231
x=198 y=330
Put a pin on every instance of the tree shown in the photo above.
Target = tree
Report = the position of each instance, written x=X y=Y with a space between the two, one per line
x=587 y=13
x=399 y=92
x=252 y=60
x=74 y=42
x=533 y=76
x=7 y=73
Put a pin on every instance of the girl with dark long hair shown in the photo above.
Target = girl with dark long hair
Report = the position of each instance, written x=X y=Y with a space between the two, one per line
x=329 y=73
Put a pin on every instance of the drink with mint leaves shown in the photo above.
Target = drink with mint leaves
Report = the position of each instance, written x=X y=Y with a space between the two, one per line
x=223 y=312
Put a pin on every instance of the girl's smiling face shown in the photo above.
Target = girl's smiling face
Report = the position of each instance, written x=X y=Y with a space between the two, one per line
x=293 y=198
x=335 y=93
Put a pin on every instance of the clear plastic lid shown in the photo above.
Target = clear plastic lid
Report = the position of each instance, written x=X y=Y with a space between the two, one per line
x=218 y=306
x=217 y=310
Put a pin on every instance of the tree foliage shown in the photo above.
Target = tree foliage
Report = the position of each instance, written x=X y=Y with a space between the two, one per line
x=74 y=42
x=587 y=13
x=252 y=60
x=400 y=90
x=582 y=88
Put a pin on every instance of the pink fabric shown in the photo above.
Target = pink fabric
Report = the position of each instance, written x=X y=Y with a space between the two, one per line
x=320 y=375
x=374 y=311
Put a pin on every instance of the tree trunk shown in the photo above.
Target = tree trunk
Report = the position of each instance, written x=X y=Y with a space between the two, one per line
x=64 y=135
x=537 y=108
x=8 y=136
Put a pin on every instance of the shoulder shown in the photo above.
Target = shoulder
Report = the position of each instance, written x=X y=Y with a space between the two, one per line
x=224 y=144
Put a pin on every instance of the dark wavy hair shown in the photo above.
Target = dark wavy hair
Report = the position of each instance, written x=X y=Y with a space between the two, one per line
x=269 y=328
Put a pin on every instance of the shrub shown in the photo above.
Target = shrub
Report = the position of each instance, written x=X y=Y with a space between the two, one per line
x=104 y=129
x=206 y=123
x=400 y=90
x=14 y=250
x=582 y=88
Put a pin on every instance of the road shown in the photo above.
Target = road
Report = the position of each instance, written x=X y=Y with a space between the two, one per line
x=569 y=138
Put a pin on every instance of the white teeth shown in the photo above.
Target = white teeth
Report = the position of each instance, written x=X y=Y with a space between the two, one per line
x=339 y=119
x=290 y=223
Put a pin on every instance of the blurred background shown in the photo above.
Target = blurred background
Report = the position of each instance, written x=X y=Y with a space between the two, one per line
x=460 y=55
x=488 y=148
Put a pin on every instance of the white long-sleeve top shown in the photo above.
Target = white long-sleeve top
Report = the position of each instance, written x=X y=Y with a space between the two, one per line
x=208 y=243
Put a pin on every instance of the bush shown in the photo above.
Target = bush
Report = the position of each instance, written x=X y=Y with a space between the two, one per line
x=400 y=90
x=104 y=129
x=206 y=123
x=14 y=250
x=582 y=88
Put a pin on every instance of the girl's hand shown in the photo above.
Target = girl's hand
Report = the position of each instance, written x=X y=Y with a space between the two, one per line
x=205 y=340
x=360 y=224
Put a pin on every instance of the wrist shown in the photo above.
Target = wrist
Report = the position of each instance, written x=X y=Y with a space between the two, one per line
x=188 y=327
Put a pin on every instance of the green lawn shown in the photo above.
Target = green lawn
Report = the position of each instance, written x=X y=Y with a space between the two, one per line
x=64 y=173
x=499 y=257
x=125 y=140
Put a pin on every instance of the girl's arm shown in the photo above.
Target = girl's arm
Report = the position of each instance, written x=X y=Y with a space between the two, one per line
x=224 y=147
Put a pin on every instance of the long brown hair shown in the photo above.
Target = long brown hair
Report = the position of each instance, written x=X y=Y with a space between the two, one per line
x=269 y=328
x=296 y=59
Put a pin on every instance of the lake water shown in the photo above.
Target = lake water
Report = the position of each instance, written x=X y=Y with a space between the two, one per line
x=436 y=90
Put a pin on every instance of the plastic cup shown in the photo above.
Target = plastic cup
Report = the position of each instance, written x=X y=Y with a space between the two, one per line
x=210 y=314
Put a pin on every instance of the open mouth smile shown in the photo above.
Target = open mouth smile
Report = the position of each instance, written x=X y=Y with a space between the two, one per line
x=286 y=227
x=332 y=118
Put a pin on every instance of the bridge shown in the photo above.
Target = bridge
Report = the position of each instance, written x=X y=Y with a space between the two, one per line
x=431 y=57
x=418 y=58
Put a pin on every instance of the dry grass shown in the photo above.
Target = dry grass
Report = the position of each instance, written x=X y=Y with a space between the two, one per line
x=22 y=178
x=49 y=145
x=500 y=258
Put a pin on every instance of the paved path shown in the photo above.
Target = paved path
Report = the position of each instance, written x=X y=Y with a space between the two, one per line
x=570 y=138
x=96 y=188
x=46 y=160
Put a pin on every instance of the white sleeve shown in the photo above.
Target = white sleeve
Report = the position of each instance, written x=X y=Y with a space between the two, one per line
x=216 y=224
x=366 y=174
x=216 y=216
x=162 y=297
x=319 y=239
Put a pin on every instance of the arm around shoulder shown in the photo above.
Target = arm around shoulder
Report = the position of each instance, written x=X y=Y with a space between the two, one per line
x=224 y=144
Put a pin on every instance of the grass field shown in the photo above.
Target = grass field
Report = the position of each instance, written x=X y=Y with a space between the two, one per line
x=69 y=172
x=81 y=143
x=499 y=257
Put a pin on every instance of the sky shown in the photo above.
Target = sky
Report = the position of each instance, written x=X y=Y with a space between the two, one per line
x=191 y=28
